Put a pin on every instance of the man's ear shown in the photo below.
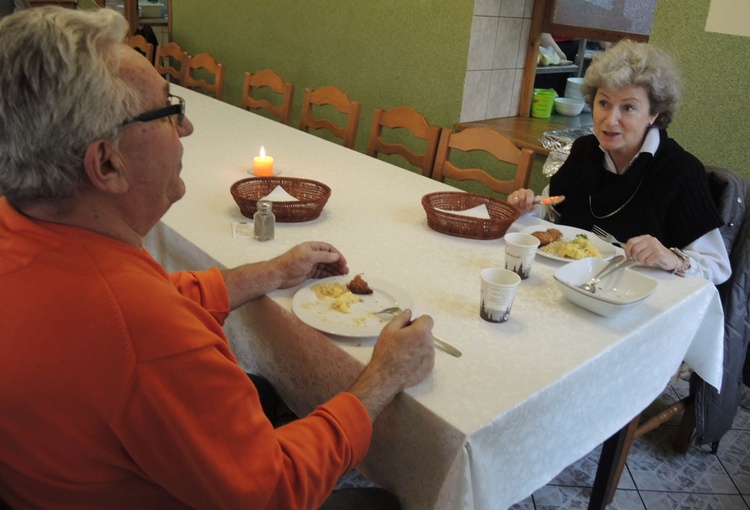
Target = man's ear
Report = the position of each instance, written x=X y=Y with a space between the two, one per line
x=105 y=167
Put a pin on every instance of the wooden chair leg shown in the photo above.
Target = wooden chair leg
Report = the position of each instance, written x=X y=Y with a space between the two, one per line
x=623 y=457
x=686 y=428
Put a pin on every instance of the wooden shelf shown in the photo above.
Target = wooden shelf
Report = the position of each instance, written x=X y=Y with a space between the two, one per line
x=527 y=132
x=571 y=68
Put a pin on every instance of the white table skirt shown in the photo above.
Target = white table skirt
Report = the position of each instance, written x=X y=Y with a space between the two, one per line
x=484 y=430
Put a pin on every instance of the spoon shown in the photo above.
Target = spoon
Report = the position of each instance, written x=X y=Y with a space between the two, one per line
x=395 y=310
x=590 y=286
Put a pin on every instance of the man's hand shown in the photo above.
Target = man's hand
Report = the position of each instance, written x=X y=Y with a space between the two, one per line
x=403 y=356
x=310 y=260
x=306 y=260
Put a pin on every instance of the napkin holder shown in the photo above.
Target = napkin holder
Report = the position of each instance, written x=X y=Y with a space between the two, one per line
x=438 y=207
x=311 y=197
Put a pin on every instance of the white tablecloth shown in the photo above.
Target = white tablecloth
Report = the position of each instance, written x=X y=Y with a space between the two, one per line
x=484 y=430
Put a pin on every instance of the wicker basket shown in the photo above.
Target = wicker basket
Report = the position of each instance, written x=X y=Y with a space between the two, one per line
x=311 y=196
x=437 y=205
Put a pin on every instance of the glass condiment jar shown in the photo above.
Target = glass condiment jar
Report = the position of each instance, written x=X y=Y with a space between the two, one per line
x=264 y=221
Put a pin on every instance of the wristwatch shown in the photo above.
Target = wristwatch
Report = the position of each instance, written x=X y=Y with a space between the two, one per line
x=684 y=264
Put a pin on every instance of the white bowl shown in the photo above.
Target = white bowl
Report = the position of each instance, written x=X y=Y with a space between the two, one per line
x=614 y=293
x=574 y=83
x=568 y=106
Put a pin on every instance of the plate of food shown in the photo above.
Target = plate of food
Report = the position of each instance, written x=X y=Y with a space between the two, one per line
x=564 y=243
x=346 y=305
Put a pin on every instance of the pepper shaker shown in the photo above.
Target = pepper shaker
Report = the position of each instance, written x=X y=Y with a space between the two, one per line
x=264 y=221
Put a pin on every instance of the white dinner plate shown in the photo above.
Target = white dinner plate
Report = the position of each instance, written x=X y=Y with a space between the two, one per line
x=361 y=321
x=569 y=233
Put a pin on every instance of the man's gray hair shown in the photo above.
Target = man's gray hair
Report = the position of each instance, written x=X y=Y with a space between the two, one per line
x=629 y=64
x=59 y=91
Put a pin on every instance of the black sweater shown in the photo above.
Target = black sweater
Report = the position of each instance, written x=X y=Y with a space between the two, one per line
x=666 y=195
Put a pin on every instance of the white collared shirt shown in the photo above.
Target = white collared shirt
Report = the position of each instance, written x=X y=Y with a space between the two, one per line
x=650 y=145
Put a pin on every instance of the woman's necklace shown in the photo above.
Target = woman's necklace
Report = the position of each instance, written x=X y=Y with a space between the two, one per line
x=591 y=209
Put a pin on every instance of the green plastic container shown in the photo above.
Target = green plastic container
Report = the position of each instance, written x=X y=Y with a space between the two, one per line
x=542 y=103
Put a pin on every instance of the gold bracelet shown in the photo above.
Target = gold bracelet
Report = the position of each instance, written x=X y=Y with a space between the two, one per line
x=684 y=264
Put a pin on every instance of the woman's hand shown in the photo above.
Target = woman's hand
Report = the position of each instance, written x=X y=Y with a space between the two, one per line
x=649 y=251
x=523 y=199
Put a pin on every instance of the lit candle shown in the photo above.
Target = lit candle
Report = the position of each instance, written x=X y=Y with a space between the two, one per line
x=263 y=165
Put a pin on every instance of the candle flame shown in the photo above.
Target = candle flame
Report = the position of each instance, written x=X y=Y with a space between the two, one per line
x=262 y=152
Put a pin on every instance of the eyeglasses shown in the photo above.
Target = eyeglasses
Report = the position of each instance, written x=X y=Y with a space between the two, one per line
x=175 y=108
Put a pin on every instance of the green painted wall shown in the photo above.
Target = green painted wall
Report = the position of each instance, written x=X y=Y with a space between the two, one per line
x=382 y=53
x=394 y=52
x=715 y=114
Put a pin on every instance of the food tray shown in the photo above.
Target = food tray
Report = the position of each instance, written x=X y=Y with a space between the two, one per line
x=437 y=206
x=311 y=196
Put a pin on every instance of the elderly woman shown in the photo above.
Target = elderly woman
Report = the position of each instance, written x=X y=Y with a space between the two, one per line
x=629 y=178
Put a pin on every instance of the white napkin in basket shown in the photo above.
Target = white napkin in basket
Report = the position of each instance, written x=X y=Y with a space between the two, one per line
x=479 y=211
x=279 y=194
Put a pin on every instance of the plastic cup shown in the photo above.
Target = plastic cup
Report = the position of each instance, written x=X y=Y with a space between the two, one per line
x=520 y=251
x=498 y=290
x=542 y=103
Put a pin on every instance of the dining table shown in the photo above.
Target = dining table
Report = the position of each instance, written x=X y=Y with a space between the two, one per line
x=527 y=398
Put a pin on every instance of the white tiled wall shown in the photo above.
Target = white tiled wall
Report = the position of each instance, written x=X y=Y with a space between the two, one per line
x=497 y=50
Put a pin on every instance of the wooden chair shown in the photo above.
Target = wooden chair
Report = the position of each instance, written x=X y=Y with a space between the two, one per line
x=408 y=118
x=272 y=80
x=207 y=63
x=138 y=42
x=487 y=140
x=336 y=98
x=730 y=193
x=171 y=62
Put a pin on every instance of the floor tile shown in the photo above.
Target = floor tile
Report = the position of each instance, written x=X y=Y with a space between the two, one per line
x=562 y=498
x=692 y=501
x=582 y=472
x=734 y=454
x=741 y=419
x=626 y=500
x=526 y=504
x=655 y=465
x=353 y=479
x=745 y=397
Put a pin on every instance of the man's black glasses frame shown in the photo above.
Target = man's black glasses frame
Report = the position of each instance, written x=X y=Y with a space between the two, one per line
x=177 y=109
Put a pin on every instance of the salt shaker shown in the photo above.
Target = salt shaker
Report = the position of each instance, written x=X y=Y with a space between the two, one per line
x=264 y=221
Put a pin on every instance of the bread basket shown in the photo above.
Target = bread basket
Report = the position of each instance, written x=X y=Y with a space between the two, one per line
x=311 y=197
x=438 y=207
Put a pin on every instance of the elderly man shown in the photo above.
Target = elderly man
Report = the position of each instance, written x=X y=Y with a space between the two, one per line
x=117 y=385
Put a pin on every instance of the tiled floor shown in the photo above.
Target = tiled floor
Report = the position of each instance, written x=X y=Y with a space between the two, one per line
x=658 y=478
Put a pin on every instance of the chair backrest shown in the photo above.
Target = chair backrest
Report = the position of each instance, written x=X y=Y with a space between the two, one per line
x=271 y=79
x=335 y=97
x=408 y=118
x=487 y=140
x=731 y=192
x=208 y=63
x=171 y=62
x=138 y=42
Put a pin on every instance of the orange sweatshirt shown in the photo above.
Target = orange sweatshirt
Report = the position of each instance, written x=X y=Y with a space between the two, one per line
x=118 y=389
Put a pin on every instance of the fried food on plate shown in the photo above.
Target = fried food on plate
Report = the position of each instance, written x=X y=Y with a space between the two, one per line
x=359 y=286
x=548 y=236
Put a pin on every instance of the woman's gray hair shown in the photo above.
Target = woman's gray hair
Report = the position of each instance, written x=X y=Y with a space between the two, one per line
x=59 y=91
x=630 y=63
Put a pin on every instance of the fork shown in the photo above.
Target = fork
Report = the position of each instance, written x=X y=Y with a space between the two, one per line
x=395 y=310
x=606 y=236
